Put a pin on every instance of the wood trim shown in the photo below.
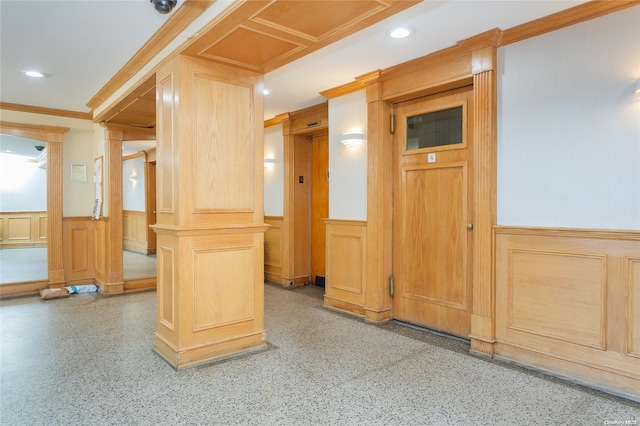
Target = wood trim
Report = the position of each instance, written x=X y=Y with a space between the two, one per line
x=130 y=133
x=46 y=111
x=22 y=289
x=360 y=83
x=278 y=119
x=345 y=222
x=140 y=284
x=136 y=155
x=33 y=131
x=564 y=18
x=609 y=234
x=177 y=22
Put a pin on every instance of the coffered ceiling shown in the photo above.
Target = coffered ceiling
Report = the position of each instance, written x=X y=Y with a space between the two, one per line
x=261 y=36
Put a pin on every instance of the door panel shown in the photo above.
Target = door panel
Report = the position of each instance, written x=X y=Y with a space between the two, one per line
x=432 y=200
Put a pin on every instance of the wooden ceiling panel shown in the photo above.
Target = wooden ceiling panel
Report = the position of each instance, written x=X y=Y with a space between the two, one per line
x=134 y=120
x=316 y=20
x=235 y=48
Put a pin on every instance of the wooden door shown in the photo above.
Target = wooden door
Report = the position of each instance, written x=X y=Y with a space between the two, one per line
x=433 y=201
x=319 y=205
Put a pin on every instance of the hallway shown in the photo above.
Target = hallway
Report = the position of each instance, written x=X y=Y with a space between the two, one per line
x=87 y=360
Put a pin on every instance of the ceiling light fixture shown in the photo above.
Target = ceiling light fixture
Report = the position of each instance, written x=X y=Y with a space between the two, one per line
x=400 y=32
x=266 y=91
x=164 y=6
x=35 y=74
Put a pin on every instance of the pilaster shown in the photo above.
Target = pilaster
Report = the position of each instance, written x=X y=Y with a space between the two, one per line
x=483 y=49
x=377 y=299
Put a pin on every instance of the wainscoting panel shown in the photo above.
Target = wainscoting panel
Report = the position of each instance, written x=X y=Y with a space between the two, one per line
x=346 y=266
x=78 y=247
x=22 y=229
x=559 y=295
x=134 y=227
x=273 y=248
x=100 y=259
x=567 y=301
x=633 y=282
x=166 y=308
x=221 y=276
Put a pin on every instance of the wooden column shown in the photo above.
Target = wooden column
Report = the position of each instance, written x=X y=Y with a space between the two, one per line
x=210 y=216
x=483 y=66
x=110 y=278
x=377 y=299
x=54 y=210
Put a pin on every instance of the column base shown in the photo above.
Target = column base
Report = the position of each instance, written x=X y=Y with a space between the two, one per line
x=108 y=289
x=375 y=316
x=217 y=351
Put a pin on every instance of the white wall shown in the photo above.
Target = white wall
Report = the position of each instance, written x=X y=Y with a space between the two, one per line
x=133 y=184
x=23 y=185
x=348 y=167
x=569 y=126
x=274 y=175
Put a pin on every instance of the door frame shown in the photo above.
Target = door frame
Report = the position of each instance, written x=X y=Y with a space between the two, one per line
x=53 y=136
x=297 y=128
x=471 y=61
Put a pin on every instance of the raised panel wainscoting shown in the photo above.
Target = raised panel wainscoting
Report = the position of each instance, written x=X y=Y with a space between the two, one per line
x=568 y=302
x=23 y=229
x=79 y=245
x=346 y=266
x=134 y=224
x=273 y=249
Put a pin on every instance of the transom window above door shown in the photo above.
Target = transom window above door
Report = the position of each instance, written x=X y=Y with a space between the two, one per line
x=436 y=128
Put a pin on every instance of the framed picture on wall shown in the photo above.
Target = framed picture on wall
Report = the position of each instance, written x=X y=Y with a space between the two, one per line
x=78 y=173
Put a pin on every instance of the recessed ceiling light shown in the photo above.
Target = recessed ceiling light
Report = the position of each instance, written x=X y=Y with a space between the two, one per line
x=266 y=91
x=35 y=74
x=400 y=32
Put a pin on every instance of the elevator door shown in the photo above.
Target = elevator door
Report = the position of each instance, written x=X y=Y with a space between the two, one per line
x=319 y=206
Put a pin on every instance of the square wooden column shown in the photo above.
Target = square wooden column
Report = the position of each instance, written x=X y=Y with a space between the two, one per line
x=210 y=215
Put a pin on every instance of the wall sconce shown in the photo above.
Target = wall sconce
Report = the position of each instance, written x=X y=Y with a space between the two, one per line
x=352 y=140
x=269 y=163
x=133 y=176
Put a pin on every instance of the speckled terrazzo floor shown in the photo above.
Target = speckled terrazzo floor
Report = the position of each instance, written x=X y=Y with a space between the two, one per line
x=87 y=360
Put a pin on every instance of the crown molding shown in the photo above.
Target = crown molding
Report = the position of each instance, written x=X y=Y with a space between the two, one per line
x=46 y=111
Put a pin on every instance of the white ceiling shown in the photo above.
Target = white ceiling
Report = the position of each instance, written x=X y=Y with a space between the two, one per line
x=83 y=43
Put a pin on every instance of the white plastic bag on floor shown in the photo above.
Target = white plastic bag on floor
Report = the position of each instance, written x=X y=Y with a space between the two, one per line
x=88 y=288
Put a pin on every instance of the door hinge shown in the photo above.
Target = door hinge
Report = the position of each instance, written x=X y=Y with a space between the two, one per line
x=392 y=124
x=391 y=286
